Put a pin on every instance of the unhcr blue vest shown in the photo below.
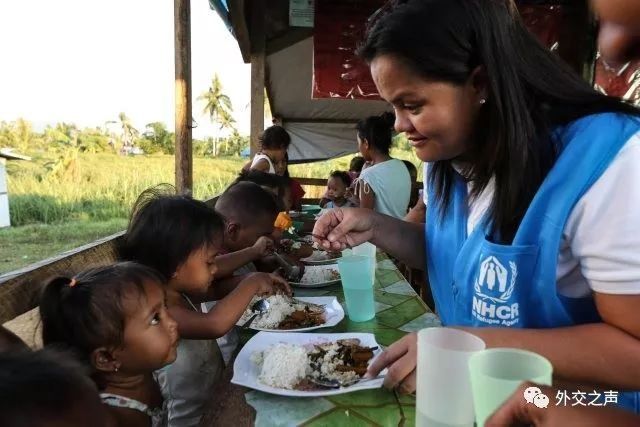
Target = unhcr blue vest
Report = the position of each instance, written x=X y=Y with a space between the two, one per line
x=476 y=282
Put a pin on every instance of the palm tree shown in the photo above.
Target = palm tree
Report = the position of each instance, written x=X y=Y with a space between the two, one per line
x=129 y=132
x=218 y=107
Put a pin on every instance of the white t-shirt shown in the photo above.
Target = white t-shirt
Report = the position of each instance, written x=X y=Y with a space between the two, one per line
x=260 y=156
x=391 y=183
x=600 y=247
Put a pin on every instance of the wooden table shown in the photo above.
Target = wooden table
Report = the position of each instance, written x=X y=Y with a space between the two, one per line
x=399 y=310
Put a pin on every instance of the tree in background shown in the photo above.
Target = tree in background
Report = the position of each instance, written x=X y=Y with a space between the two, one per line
x=17 y=135
x=129 y=132
x=156 y=138
x=234 y=144
x=218 y=107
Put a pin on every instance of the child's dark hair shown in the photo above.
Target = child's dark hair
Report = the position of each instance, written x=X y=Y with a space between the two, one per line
x=245 y=202
x=274 y=138
x=10 y=341
x=377 y=130
x=278 y=184
x=342 y=176
x=41 y=387
x=85 y=312
x=165 y=229
x=356 y=164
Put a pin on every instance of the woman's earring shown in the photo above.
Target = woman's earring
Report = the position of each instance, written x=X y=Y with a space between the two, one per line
x=116 y=369
x=483 y=101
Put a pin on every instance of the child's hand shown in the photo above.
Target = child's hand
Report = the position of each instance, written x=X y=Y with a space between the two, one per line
x=263 y=247
x=269 y=284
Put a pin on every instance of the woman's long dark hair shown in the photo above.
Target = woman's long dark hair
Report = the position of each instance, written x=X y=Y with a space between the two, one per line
x=531 y=91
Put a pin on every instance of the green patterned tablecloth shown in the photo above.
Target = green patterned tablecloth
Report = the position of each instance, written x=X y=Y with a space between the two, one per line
x=399 y=310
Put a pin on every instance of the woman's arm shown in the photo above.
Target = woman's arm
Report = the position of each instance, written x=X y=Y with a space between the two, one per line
x=224 y=315
x=340 y=228
x=604 y=354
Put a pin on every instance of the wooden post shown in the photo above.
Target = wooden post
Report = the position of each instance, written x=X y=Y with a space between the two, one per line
x=258 y=49
x=184 y=152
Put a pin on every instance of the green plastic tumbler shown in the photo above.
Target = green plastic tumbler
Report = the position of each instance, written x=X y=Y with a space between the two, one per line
x=357 y=285
x=498 y=372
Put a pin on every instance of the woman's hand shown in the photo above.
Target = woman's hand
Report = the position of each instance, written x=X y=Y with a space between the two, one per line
x=401 y=358
x=516 y=412
x=339 y=228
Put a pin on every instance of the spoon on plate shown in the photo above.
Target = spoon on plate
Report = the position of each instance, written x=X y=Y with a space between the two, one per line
x=259 y=307
x=333 y=383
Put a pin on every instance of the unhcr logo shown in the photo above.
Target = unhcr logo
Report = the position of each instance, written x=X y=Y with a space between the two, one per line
x=493 y=288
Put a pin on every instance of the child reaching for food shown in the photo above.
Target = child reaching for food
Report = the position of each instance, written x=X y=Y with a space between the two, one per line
x=336 y=194
x=181 y=237
x=114 y=319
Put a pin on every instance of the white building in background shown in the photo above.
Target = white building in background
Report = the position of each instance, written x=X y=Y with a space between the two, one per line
x=6 y=154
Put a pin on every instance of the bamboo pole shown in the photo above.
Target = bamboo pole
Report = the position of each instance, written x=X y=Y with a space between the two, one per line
x=184 y=152
x=258 y=49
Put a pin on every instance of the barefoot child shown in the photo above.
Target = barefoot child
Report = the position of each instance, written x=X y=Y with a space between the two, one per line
x=181 y=238
x=115 y=320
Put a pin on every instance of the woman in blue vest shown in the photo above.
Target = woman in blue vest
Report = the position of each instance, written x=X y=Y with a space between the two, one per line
x=531 y=238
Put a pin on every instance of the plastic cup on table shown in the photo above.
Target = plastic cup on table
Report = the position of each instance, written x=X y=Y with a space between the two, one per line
x=369 y=250
x=443 y=389
x=498 y=372
x=357 y=285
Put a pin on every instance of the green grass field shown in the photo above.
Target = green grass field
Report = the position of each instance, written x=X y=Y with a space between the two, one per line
x=59 y=204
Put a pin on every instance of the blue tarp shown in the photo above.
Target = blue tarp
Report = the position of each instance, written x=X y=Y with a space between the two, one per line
x=221 y=7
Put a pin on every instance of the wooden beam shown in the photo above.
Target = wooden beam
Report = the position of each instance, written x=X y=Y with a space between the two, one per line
x=319 y=182
x=323 y=121
x=257 y=72
x=291 y=37
x=240 y=30
x=184 y=151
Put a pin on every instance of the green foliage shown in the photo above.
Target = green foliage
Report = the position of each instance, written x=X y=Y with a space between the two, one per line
x=234 y=144
x=84 y=186
x=157 y=139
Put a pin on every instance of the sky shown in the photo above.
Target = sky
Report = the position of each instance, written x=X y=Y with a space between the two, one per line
x=85 y=61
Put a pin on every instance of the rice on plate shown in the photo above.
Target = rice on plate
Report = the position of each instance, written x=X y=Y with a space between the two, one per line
x=295 y=313
x=292 y=366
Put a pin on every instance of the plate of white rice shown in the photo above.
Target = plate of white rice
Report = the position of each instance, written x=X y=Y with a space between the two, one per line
x=281 y=306
x=275 y=363
x=318 y=276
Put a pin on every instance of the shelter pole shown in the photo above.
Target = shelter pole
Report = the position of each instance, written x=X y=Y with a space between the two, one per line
x=258 y=49
x=182 y=46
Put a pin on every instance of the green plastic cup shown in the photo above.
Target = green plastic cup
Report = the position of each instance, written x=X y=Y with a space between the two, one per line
x=369 y=250
x=498 y=372
x=357 y=285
